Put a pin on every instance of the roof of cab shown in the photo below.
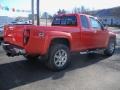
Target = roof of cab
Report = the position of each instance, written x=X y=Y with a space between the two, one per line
x=75 y=14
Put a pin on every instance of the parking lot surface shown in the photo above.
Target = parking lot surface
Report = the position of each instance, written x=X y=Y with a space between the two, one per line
x=96 y=72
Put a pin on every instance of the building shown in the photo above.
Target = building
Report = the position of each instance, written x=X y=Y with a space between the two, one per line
x=5 y=20
x=109 y=16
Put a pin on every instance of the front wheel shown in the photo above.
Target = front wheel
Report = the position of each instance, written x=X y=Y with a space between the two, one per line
x=109 y=51
x=58 y=57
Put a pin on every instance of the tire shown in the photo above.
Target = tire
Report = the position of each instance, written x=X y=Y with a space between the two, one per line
x=58 y=58
x=109 y=51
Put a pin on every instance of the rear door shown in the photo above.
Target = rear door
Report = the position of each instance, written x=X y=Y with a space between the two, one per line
x=87 y=39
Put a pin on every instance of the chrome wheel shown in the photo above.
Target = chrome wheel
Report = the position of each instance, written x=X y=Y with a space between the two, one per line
x=60 y=58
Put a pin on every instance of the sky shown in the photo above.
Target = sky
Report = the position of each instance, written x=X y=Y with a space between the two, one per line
x=52 y=6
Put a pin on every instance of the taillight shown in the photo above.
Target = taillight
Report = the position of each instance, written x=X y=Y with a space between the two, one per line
x=26 y=36
x=4 y=30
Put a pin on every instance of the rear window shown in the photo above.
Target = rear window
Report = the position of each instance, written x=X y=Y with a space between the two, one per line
x=65 y=21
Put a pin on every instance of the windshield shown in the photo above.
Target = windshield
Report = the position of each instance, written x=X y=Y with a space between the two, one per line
x=65 y=21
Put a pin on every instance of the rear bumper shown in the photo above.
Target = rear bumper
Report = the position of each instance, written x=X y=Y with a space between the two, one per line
x=12 y=50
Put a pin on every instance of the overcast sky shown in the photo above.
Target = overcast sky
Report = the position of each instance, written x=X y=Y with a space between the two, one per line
x=51 y=6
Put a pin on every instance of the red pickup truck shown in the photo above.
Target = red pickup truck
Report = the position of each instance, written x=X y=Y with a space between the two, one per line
x=68 y=33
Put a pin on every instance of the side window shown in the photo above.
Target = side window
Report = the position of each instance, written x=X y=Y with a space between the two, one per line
x=84 y=21
x=95 y=24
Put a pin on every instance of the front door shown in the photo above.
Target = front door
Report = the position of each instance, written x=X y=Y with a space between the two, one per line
x=100 y=34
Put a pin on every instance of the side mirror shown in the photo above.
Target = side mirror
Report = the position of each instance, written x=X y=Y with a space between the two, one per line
x=105 y=27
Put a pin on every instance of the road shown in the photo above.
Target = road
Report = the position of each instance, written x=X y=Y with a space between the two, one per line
x=96 y=72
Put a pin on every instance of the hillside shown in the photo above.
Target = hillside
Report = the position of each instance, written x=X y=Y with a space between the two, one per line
x=106 y=12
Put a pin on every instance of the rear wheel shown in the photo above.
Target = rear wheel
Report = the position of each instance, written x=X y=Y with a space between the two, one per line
x=109 y=51
x=58 y=57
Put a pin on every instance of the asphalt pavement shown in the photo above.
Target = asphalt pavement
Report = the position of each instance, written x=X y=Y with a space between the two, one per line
x=96 y=72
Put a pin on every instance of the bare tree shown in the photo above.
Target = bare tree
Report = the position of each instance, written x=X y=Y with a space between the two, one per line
x=81 y=9
x=63 y=11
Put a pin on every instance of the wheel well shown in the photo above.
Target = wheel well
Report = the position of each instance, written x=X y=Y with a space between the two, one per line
x=113 y=38
x=63 y=41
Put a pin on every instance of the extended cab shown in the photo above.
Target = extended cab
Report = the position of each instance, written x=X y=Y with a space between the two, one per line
x=68 y=33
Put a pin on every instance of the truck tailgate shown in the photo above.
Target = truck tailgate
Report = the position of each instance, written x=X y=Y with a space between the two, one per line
x=14 y=34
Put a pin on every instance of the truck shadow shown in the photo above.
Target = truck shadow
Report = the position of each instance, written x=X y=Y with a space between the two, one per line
x=21 y=72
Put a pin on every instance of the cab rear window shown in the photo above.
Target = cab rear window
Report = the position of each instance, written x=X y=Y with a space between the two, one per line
x=65 y=21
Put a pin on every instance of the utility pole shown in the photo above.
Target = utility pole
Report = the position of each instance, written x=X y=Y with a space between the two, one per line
x=38 y=13
x=32 y=8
